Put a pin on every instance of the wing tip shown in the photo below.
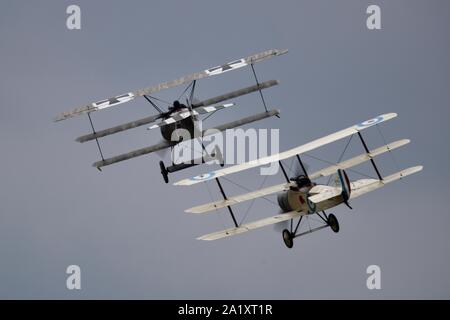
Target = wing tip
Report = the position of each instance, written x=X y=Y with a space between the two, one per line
x=279 y=52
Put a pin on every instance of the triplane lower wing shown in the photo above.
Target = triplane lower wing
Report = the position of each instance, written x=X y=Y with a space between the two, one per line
x=299 y=196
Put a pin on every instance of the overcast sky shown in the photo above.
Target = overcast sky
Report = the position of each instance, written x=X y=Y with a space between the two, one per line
x=127 y=230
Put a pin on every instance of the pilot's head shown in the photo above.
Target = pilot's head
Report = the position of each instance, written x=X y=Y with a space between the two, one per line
x=176 y=104
x=302 y=181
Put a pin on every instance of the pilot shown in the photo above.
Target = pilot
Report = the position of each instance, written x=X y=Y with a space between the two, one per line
x=177 y=106
x=302 y=182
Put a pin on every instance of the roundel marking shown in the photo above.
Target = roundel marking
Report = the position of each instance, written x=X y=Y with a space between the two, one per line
x=300 y=198
x=311 y=205
x=370 y=122
x=205 y=176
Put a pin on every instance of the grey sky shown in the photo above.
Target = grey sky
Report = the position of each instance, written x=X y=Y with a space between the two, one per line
x=127 y=230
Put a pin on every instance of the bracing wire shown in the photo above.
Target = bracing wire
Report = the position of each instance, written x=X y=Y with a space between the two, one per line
x=212 y=200
x=342 y=155
x=247 y=189
x=389 y=150
x=158 y=99
x=252 y=202
x=185 y=90
x=332 y=163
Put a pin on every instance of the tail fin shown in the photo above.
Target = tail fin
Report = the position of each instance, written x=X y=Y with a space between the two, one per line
x=346 y=186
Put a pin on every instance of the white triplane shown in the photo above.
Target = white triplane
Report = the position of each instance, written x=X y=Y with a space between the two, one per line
x=300 y=195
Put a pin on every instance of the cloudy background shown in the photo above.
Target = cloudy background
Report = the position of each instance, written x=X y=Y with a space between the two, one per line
x=127 y=230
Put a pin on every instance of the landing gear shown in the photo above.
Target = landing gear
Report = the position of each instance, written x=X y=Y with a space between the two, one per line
x=288 y=238
x=329 y=221
x=333 y=222
x=164 y=172
x=215 y=155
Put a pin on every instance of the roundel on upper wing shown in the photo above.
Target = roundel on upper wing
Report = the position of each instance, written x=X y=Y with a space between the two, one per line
x=205 y=176
x=370 y=122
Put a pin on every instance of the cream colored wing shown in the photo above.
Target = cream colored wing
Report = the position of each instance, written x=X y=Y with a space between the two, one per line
x=358 y=159
x=285 y=186
x=239 y=198
x=324 y=193
x=290 y=153
x=363 y=186
x=251 y=226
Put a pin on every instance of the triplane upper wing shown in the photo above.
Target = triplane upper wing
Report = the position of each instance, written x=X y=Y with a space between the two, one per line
x=290 y=153
x=129 y=96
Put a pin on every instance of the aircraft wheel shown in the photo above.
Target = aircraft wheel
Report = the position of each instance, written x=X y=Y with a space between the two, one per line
x=288 y=238
x=333 y=222
x=164 y=172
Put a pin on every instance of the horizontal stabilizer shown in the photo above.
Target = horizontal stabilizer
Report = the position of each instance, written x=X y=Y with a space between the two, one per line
x=325 y=193
x=252 y=225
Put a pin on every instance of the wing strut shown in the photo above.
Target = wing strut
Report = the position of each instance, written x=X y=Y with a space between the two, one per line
x=191 y=95
x=153 y=104
x=229 y=208
x=96 y=139
x=371 y=159
x=302 y=165
x=284 y=172
x=259 y=89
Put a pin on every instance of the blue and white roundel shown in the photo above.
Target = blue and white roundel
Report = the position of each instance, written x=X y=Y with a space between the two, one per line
x=370 y=122
x=205 y=176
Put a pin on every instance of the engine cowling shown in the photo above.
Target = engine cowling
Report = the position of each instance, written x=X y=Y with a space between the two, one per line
x=283 y=202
